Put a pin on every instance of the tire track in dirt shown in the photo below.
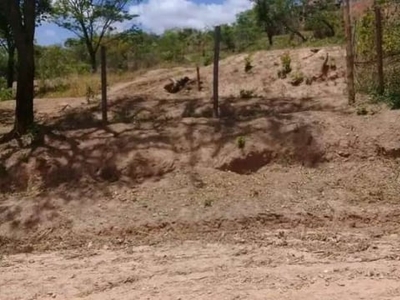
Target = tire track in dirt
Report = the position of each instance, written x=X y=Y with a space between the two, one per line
x=197 y=270
x=246 y=228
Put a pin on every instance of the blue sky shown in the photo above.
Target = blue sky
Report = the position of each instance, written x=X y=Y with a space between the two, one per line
x=159 y=15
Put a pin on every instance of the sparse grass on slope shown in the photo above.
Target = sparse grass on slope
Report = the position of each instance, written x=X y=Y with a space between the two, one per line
x=79 y=85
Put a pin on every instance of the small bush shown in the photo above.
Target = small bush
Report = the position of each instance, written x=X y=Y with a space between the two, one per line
x=286 y=66
x=362 y=111
x=391 y=98
x=208 y=203
x=247 y=64
x=3 y=83
x=391 y=95
x=90 y=94
x=241 y=142
x=286 y=63
x=6 y=94
x=247 y=94
x=207 y=60
x=297 y=78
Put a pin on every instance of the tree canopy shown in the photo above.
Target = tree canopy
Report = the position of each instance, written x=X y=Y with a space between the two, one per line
x=90 y=20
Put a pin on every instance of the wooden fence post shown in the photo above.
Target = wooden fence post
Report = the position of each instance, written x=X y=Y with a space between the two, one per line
x=198 y=78
x=379 y=50
x=103 y=84
x=216 y=70
x=349 y=54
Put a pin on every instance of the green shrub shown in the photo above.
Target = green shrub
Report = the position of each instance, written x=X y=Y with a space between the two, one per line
x=366 y=75
x=286 y=62
x=362 y=111
x=6 y=94
x=241 y=142
x=286 y=65
x=247 y=64
x=391 y=95
x=247 y=94
x=3 y=83
x=391 y=98
x=297 y=78
x=207 y=60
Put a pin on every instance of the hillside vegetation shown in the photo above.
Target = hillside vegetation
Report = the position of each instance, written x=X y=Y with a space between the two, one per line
x=135 y=50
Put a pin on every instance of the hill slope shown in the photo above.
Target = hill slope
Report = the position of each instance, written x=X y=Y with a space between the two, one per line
x=288 y=167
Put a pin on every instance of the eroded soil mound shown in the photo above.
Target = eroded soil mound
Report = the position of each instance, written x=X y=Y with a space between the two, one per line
x=163 y=166
x=155 y=137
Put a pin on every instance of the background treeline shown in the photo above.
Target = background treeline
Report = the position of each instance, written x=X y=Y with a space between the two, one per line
x=270 y=24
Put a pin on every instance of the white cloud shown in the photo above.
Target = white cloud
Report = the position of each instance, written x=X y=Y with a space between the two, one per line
x=159 y=15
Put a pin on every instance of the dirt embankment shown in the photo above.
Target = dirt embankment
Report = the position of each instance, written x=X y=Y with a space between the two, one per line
x=164 y=162
x=290 y=194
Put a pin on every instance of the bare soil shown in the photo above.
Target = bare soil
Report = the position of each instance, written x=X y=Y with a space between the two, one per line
x=291 y=194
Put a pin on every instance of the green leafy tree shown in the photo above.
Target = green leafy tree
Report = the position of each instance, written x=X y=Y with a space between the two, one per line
x=22 y=17
x=51 y=56
x=3 y=67
x=228 y=38
x=246 y=30
x=78 y=50
x=275 y=14
x=8 y=44
x=266 y=18
x=323 y=18
x=90 y=20
x=172 y=46
x=143 y=48
x=117 y=53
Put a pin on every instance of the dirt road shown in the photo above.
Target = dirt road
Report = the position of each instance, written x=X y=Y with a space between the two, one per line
x=277 y=265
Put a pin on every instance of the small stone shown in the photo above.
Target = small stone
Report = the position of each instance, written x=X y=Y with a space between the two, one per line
x=333 y=76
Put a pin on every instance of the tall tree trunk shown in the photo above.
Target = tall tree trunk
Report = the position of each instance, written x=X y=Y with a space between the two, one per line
x=93 y=61
x=21 y=16
x=270 y=40
x=10 y=66
x=270 y=36
x=92 y=56
x=270 y=33
x=24 y=116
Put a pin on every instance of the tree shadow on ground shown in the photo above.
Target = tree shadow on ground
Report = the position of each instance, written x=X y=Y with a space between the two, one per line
x=79 y=159
x=6 y=117
x=77 y=150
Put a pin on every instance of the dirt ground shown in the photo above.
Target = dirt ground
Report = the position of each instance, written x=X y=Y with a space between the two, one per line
x=278 y=265
x=291 y=194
